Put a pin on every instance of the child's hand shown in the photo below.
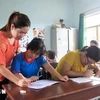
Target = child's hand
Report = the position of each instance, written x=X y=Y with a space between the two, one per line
x=31 y=79
x=34 y=78
x=88 y=73
x=97 y=74
x=64 y=78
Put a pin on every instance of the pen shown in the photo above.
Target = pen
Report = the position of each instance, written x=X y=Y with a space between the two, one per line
x=22 y=76
x=40 y=76
x=88 y=67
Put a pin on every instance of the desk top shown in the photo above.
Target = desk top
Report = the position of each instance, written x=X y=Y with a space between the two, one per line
x=60 y=91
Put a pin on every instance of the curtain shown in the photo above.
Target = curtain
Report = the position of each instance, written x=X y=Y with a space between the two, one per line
x=81 y=32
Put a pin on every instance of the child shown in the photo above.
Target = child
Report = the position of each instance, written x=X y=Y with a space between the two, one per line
x=26 y=65
x=93 y=43
x=50 y=56
x=75 y=63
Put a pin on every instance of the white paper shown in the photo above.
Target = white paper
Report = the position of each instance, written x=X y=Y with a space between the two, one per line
x=42 y=83
x=81 y=79
x=95 y=78
x=95 y=98
x=85 y=79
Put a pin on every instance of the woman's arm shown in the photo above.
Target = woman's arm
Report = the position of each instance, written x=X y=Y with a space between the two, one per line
x=6 y=73
x=29 y=80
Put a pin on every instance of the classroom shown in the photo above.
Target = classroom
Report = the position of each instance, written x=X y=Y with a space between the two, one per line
x=61 y=38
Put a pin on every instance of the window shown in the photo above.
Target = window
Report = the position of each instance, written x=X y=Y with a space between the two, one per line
x=92 y=28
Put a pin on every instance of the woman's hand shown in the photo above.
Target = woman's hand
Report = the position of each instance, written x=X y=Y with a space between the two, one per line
x=26 y=81
x=22 y=83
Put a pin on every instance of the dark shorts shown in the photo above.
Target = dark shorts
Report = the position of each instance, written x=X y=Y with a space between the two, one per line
x=2 y=93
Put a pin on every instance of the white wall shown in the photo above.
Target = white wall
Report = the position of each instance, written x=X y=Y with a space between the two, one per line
x=84 y=6
x=42 y=13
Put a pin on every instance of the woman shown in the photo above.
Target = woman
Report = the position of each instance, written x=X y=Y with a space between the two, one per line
x=16 y=28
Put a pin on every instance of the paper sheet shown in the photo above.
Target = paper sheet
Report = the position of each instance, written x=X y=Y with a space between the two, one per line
x=95 y=78
x=85 y=79
x=42 y=83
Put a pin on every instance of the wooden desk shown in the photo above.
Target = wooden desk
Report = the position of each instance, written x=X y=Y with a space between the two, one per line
x=61 y=91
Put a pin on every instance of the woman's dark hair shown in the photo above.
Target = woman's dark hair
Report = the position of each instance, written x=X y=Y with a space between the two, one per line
x=50 y=54
x=18 y=19
x=37 y=44
x=93 y=52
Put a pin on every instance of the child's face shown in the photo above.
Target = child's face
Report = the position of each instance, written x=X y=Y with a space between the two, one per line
x=89 y=61
x=50 y=60
x=33 y=55
x=92 y=44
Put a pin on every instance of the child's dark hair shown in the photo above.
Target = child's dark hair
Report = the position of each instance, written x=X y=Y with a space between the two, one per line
x=95 y=42
x=50 y=54
x=37 y=44
x=18 y=19
x=84 y=48
x=93 y=52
